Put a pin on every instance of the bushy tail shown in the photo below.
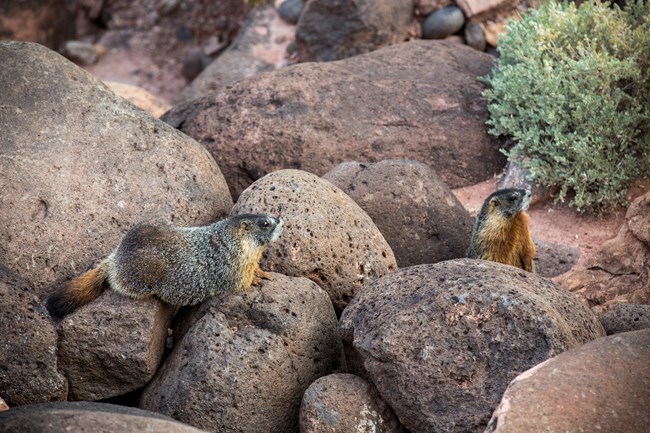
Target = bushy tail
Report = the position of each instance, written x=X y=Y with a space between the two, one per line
x=78 y=291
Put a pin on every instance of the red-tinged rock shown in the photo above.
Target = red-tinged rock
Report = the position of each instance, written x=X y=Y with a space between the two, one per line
x=602 y=386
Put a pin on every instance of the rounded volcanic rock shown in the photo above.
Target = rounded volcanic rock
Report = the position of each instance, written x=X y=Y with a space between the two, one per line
x=345 y=403
x=80 y=166
x=442 y=23
x=552 y=259
x=626 y=317
x=603 y=385
x=417 y=213
x=245 y=359
x=290 y=10
x=418 y=100
x=87 y=417
x=441 y=342
x=475 y=36
x=327 y=237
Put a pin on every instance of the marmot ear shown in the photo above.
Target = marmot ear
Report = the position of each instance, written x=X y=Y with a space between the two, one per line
x=245 y=225
x=494 y=202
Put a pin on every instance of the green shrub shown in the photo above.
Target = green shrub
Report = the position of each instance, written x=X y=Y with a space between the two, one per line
x=572 y=89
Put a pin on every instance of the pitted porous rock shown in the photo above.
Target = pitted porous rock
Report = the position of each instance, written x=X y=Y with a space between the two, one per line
x=28 y=363
x=243 y=360
x=418 y=100
x=345 y=403
x=626 y=317
x=80 y=166
x=112 y=346
x=552 y=259
x=417 y=213
x=441 y=342
x=327 y=237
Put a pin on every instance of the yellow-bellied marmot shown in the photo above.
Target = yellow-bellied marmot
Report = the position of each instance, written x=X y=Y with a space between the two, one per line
x=179 y=265
x=501 y=232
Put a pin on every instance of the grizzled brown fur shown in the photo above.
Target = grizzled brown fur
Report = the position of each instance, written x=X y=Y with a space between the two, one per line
x=501 y=232
x=179 y=265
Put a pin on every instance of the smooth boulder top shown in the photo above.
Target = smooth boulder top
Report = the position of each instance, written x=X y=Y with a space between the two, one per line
x=81 y=166
x=87 y=417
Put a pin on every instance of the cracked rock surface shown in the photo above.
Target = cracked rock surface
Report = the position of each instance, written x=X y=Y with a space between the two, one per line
x=620 y=271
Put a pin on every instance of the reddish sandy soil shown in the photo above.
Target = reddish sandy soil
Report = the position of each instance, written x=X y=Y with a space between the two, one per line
x=557 y=223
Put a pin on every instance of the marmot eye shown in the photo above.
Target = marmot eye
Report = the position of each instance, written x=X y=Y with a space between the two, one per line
x=512 y=198
x=265 y=223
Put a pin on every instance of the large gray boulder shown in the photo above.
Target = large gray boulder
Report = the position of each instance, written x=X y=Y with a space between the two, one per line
x=441 y=342
x=334 y=29
x=242 y=361
x=327 y=237
x=417 y=213
x=603 y=386
x=80 y=166
x=418 y=100
x=84 y=417
x=28 y=362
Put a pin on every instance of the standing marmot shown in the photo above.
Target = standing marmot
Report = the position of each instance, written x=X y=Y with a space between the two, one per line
x=179 y=265
x=501 y=232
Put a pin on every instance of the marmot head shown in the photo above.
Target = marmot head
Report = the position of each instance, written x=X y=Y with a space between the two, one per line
x=507 y=202
x=260 y=228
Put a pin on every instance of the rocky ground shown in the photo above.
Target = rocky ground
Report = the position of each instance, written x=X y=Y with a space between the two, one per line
x=370 y=143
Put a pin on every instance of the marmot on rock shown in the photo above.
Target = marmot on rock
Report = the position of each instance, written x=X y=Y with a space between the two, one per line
x=179 y=265
x=501 y=232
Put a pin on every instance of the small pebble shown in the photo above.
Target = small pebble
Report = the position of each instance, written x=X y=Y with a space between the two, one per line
x=290 y=10
x=442 y=23
x=81 y=52
x=194 y=61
